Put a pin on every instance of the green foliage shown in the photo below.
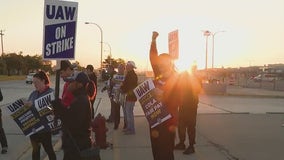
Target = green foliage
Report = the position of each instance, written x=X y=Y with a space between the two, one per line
x=17 y=64
x=114 y=62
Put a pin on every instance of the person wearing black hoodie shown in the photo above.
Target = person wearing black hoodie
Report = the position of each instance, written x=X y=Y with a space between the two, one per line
x=76 y=119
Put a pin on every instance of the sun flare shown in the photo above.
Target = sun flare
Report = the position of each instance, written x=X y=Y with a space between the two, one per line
x=185 y=65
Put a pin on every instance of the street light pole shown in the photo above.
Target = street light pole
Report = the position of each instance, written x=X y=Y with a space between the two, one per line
x=110 y=55
x=206 y=34
x=109 y=48
x=100 y=42
x=213 y=37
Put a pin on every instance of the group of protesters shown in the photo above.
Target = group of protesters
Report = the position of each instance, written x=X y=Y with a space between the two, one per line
x=120 y=87
x=73 y=108
x=178 y=93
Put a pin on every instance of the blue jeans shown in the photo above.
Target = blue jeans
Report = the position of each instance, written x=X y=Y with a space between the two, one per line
x=124 y=115
x=129 y=105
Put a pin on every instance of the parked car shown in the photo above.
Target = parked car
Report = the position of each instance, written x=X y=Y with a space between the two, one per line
x=265 y=77
x=29 y=78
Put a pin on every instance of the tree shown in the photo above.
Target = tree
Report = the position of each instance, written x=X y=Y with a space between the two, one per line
x=14 y=63
x=3 y=67
x=114 y=62
x=33 y=63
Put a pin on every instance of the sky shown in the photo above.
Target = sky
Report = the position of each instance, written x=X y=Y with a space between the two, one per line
x=248 y=32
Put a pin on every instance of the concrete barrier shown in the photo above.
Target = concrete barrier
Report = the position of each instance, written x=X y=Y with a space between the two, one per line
x=209 y=88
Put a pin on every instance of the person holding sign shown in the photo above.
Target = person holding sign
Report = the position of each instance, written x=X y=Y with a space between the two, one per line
x=3 y=139
x=163 y=135
x=129 y=83
x=76 y=119
x=116 y=81
x=42 y=88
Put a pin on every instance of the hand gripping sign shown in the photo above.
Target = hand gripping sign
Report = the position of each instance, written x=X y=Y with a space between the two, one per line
x=45 y=111
x=153 y=109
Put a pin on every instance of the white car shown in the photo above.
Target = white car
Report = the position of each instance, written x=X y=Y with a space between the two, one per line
x=29 y=78
x=265 y=77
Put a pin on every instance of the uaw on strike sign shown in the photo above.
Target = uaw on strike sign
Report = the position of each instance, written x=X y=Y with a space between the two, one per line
x=34 y=118
x=59 y=29
x=154 y=110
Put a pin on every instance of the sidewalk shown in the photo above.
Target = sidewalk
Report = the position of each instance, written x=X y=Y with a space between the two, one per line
x=138 y=147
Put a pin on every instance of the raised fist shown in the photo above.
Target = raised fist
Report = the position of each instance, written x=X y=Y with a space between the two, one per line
x=154 y=35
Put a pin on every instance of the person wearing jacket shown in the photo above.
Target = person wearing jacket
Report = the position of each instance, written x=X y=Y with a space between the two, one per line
x=93 y=77
x=116 y=81
x=42 y=88
x=76 y=119
x=129 y=83
x=166 y=90
x=190 y=87
x=66 y=70
x=3 y=139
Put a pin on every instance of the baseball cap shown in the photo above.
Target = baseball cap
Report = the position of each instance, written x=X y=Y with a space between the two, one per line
x=66 y=64
x=80 y=77
x=131 y=63
x=90 y=67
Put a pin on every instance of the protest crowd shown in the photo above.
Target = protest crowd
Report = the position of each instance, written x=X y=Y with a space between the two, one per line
x=169 y=101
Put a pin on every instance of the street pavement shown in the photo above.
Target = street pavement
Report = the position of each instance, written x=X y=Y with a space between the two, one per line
x=223 y=133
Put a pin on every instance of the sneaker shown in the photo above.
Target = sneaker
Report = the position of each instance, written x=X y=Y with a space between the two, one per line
x=109 y=121
x=189 y=150
x=4 y=150
x=180 y=146
x=124 y=130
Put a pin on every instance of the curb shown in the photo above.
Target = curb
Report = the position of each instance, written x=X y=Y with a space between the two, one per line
x=243 y=95
x=255 y=95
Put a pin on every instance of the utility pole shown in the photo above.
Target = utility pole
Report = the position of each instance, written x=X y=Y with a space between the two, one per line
x=2 y=34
